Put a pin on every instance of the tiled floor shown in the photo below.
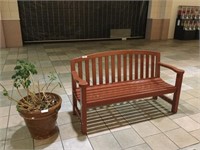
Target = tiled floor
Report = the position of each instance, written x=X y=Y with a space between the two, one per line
x=135 y=125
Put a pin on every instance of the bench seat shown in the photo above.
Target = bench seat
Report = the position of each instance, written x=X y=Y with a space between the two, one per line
x=123 y=91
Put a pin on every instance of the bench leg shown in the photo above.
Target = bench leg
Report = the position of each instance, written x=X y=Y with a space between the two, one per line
x=175 y=102
x=155 y=97
x=84 y=120
x=74 y=105
x=176 y=96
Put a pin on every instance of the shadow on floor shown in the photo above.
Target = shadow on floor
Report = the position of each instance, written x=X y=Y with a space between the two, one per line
x=126 y=113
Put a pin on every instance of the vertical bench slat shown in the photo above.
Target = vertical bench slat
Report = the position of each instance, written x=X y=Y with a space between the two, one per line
x=87 y=71
x=119 y=67
x=157 y=66
x=100 y=71
x=107 y=69
x=147 y=66
x=130 y=66
x=125 y=67
x=136 y=66
x=74 y=85
x=94 y=80
x=113 y=67
x=152 y=66
x=80 y=70
x=141 y=66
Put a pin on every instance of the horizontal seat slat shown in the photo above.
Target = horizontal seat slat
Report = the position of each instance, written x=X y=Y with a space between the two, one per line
x=128 y=84
x=116 y=92
x=123 y=89
x=130 y=89
x=108 y=85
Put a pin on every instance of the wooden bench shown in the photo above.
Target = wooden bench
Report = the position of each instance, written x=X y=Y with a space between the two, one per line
x=121 y=75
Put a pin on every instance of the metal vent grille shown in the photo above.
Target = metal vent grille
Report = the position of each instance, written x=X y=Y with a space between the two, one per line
x=75 y=20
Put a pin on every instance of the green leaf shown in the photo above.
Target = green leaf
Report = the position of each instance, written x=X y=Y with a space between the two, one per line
x=5 y=92
x=27 y=83
x=17 y=67
x=14 y=76
x=16 y=84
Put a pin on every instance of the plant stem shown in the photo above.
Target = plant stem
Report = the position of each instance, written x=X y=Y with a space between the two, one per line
x=20 y=94
x=55 y=87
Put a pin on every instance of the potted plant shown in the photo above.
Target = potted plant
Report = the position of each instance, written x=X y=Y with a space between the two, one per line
x=40 y=106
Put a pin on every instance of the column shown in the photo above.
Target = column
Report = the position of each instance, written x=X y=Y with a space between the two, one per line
x=10 y=24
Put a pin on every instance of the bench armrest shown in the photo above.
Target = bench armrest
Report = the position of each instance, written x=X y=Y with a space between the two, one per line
x=80 y=81
x=179 y=76
x=83 y=85
x=179 y=71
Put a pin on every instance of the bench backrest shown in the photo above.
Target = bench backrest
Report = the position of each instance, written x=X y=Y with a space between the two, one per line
x=116 y=66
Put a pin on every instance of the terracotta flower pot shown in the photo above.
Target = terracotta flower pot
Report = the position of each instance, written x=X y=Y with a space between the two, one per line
x=42 y=124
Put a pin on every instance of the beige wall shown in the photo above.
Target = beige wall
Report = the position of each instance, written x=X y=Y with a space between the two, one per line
x=160 y=9
x=175 y=4
x=10 y=23
x=158 y=19
x=9 y=10
x=2 y=38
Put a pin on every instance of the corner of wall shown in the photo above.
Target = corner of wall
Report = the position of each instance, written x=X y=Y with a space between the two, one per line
x=2 y=41
x=10 y=24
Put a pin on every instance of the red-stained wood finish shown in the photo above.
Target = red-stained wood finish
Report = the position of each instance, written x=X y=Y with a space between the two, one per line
x=121 y=75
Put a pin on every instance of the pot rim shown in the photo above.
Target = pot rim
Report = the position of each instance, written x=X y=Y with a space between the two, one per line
x=52 y=109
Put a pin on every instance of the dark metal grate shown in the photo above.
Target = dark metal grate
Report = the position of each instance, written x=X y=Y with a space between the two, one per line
x=71 y=20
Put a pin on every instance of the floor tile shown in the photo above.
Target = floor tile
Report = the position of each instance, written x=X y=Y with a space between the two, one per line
x=179 y=114
x=185 y=96
x=4 y=122
x=26 y=144
x=120 y=128
x=96 y=126
x=66 y=117
x=52 y=146
x=99 y=133
x=196 y=117
x=196 y=134
x=48 y=141
x=71 y=130
x=181 y=138
x=3 y=100
x=4 y=111
x=160 y=141
x=104 y=142
x=145 y=129
x=164 y=124
x=194 y=102
x=187 y=123
x=16 y=120
x=2 y=144
x=193 y=147
x=127 y=138
x=3 y=134
x=8 y=68
x=140 y=147
x=78 y=143
x=17 y=133
x=13 y=110
x=188 y=109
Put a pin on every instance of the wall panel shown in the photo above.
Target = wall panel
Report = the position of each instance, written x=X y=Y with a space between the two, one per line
x=75 y=20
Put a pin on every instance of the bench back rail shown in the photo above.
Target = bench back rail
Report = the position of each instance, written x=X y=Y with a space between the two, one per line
x=116 y=66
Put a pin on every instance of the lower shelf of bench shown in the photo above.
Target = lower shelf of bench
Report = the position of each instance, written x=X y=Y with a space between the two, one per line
x=123 y=91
